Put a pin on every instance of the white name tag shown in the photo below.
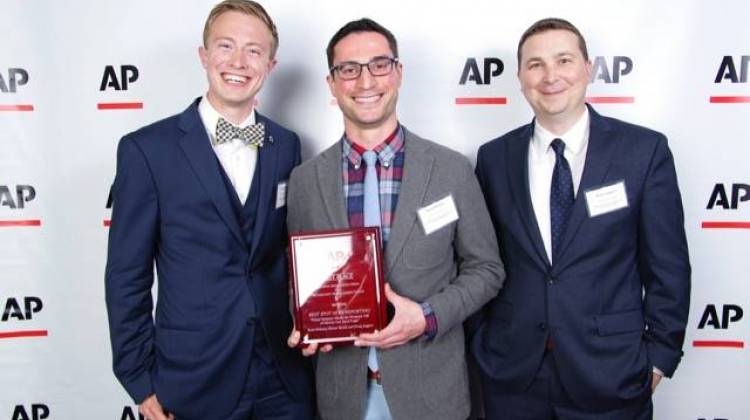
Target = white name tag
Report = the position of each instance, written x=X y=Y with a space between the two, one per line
x=438 y=214
x=281 y=195
x=606 y=199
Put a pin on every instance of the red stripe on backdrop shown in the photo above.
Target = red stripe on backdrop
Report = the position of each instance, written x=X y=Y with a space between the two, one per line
x=104 y=106
x=23 y=334
x=24 y=107
x=725 y=225
x=729 y=99
x=719 y=344
x=20 y=223
x=482 y=101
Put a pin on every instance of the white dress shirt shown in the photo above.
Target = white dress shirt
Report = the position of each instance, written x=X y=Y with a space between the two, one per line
x=237 y=158
x=542 y=164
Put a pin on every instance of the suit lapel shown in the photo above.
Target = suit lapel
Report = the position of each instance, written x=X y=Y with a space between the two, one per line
x=601 y=150
x=330 y=182
x=197 y=148
x=418 y=163
x=268 y=157
x=517 y=164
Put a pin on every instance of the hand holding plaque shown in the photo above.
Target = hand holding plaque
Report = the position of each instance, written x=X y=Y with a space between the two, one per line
x=337 y=284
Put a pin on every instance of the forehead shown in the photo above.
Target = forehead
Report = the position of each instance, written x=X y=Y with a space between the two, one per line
x=361 y=46
x=234 y=24
x=550 y=43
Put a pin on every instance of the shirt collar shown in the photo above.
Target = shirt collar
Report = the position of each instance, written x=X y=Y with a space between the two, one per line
x=575 y=138
x=210 y=117
x=386 y=150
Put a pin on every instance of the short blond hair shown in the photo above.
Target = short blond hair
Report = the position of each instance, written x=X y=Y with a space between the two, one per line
x=248 y=7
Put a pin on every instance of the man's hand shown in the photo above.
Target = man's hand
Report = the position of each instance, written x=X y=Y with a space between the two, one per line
x=309 y=349
x=152 y=409
x=408 y=322
x=655 y=381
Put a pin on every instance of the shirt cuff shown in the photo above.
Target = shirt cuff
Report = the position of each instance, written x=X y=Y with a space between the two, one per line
x=657 y=371
x=431 y=329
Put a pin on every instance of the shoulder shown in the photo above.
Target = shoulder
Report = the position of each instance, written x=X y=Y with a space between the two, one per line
x=634 y=131
x=498 y=144
x=329 y=157
x=278 y=132
x=444 y=156
x=157 y=131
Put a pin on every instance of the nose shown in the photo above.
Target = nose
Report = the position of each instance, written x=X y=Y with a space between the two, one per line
x=238 y=59
x=550 y=74
x=365 y=79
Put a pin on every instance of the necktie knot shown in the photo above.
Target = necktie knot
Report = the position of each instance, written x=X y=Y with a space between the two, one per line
x=559 y=147
x=251 y=135
x=370 y=157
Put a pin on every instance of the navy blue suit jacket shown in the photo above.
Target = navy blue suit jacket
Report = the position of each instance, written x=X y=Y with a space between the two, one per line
x=616 y=300
x=171 y=207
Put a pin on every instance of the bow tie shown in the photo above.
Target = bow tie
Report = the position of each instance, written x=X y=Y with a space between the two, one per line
x=251 y=135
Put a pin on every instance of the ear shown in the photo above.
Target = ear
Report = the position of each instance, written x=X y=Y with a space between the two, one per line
x=271 y=65
x=203 y=55
x=330 y=81
x=399 y=73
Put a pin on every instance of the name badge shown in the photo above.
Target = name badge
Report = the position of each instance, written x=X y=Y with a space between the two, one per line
x=281 y=195
x=606 y=199
x=438 y=214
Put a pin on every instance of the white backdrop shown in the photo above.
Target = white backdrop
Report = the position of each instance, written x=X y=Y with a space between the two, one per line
x=57 y=153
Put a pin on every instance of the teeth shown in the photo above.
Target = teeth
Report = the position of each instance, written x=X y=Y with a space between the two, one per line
x=366 y=99
x=234 y=78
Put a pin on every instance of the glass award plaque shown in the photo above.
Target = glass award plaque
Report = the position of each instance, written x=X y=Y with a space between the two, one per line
x=337 y=284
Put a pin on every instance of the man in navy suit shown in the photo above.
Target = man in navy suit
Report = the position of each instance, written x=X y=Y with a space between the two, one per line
x=590 y=223
x=201 y=195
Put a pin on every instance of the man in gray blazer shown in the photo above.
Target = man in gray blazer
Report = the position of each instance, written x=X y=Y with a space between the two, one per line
x=441 y=263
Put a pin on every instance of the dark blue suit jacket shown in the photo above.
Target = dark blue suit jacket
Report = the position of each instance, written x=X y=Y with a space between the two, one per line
x=616 y=300
x=171 y=207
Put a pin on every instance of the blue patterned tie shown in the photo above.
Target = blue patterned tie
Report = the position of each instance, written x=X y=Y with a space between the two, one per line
x=372 y=218
x=560 y=196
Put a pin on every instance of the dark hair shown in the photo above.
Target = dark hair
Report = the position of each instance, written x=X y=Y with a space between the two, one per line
x=361 y=25
x=550 y=24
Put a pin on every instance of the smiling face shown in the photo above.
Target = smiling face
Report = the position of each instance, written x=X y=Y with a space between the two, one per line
x=554 y=75
x=367 y=102
x=237 y=58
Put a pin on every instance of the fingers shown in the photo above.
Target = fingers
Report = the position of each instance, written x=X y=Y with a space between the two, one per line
x=152 y=409
x=293 y=339
x=310 y=349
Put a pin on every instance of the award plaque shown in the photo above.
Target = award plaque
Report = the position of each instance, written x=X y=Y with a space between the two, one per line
x=337 y=284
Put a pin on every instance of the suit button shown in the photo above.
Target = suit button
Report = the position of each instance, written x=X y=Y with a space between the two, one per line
x=542 y=326
x=252 y=320
x=551 y=280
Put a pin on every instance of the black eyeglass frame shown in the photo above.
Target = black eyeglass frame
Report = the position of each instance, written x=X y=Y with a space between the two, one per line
x=392 y=61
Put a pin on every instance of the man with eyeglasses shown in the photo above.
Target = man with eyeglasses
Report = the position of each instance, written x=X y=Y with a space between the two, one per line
x=440 y=267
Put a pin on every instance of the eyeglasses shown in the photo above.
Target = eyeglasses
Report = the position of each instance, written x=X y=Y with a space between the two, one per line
x=378 y=66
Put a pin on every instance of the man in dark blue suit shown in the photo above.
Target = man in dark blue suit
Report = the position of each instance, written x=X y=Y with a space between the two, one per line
x=202 y=196
x=590 y=223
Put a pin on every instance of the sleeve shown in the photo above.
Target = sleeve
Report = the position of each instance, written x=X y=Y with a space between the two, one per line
x=480 y=270
x=129 y=272
x=663 y=262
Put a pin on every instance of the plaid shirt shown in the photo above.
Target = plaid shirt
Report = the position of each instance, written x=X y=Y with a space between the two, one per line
x=390 y=171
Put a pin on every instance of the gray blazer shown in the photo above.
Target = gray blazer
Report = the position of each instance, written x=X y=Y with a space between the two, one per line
x=457 y=269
